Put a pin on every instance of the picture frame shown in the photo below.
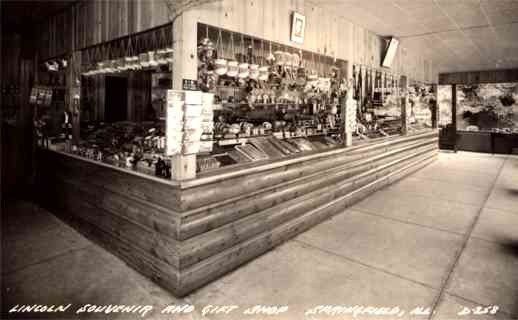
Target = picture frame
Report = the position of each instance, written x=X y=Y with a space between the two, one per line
x=298 y=26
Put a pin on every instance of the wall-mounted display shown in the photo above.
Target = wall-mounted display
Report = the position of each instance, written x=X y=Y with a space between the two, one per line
x=487 y=107
x=421 y=98
x=444 y=105
x=379 y=105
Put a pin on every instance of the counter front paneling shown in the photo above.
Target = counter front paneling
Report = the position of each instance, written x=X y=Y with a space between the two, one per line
x=185 y=234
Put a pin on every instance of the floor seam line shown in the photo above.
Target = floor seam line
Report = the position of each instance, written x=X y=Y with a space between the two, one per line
x=366 y=265
x=464 y=245
x=450 y=182
x=367 y=212
x=8 y=273
x=499 y=209
x=364 y=211
x=411 y=192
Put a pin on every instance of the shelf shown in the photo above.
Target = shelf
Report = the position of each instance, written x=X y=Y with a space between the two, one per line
x=262 y=104
x=229 y=142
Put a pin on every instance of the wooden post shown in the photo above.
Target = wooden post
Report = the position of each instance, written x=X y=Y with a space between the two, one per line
x=373 y=83
x=183 y=167
x=435 y=108
x=454 y=115
x=348 y=109
x=74 y=93
x=361 y=103
x=404 y=105
x=382 y=90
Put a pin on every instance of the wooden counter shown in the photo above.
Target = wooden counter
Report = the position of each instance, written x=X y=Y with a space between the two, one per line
x=185 y=234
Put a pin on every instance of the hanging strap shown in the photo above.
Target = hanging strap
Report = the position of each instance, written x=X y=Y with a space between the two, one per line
x=129 y=48
x=155 y=40
x=232 y=45
x=219 y=43
x=162 y=38
x=251 y=52
x=243 y=52
x=262 y=52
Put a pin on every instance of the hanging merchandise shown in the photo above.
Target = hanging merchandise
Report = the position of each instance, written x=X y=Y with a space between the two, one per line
x=243 y=72
x=301 y=71
x=263 y=70
x=360 y=89
x=233 y=68
x=270 y=58
x=254 y=67
x=168 y=45
x=206 y=56
x=87 y=66
x=324 y=83
x=368 y=86
x=220 y=63
x=152 y=59
x=129 y=59
x=160 y=53
x=356 y=93
x=312 y=76
x=144 y=59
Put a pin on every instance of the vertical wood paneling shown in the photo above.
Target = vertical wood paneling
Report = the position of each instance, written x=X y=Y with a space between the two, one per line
x=131 y=16
x=159 y=13
x=145 y=15
x=90 y=18
x=96 y=16
x=100 y=21
x=113 y=13
x=105 y=21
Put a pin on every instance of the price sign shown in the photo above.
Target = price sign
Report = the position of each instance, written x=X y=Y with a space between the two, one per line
x=190 y=85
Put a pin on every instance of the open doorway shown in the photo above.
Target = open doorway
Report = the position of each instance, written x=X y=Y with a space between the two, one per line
x=116 y=103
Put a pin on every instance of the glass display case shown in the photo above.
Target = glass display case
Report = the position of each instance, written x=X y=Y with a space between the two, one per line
x=254 y=101
x=270 y=100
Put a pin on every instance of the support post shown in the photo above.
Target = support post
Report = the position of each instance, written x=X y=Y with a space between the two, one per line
x=74 y=93
x=454 y=115
x=184 y=66
x=435 y=108
x=404 y=105
x=348 y=109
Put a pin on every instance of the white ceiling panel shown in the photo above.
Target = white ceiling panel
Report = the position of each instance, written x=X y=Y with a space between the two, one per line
x=455 y=34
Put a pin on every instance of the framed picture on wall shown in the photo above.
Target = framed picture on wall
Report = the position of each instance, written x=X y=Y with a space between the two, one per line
x=298 y=24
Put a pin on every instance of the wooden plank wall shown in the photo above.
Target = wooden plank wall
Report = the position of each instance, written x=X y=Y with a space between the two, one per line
x=325 y=33
x=11 y=53
x=99 y=21
x=184 y=235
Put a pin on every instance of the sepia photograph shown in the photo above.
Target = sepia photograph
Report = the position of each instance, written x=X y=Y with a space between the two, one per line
x=259 y=159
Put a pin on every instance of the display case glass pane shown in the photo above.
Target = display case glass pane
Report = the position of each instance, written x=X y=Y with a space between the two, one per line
x=487 y=107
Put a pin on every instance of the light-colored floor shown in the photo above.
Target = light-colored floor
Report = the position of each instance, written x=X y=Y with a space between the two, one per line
x=444 y=238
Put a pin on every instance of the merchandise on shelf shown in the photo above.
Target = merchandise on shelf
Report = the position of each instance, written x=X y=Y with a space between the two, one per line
x=135 y=146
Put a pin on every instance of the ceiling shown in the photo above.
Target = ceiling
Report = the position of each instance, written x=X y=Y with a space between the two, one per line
x=458 y=35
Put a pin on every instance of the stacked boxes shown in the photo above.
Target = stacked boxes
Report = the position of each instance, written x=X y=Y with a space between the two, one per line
x=189 y=115
x=174 y=122
x=207 y=122
x=192 y=122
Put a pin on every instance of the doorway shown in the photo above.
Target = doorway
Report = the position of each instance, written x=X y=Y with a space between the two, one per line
x=116 y=103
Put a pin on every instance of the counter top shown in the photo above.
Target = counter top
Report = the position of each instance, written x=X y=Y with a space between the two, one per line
x=258 y=166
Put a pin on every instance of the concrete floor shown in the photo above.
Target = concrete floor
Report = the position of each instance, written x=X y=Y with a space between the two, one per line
x=444 y=238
